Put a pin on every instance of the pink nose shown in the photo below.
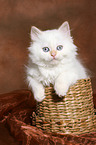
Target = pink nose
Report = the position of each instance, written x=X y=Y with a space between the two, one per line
x=53 y=53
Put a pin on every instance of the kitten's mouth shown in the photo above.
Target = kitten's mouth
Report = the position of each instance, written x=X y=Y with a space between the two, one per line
x=53 y=59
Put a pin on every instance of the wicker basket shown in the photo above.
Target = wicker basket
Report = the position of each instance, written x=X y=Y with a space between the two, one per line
x=72 y=114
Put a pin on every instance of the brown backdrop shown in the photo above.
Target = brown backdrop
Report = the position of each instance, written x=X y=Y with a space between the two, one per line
x=16 y=18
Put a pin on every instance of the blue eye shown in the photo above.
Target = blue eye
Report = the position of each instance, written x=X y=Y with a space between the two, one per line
x=45 y=49
x=59 y=47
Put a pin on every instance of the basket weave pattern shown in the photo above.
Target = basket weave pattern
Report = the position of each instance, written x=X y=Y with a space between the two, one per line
x=72 y=114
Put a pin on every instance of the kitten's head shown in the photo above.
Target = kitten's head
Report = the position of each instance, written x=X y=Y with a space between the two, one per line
x=50 y=47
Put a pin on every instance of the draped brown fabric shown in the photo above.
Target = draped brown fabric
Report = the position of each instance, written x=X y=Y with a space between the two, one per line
x=15 y=113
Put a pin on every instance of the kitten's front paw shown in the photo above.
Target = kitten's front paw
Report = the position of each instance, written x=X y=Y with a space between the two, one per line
x=61 y=89
x=39 y=95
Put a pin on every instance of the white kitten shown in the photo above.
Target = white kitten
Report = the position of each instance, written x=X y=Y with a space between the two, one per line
x=52 y=59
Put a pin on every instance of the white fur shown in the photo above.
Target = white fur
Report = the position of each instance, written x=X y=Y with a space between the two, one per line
x=42 y=69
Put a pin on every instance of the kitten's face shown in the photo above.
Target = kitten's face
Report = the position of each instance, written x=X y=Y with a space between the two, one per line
x=51 y=46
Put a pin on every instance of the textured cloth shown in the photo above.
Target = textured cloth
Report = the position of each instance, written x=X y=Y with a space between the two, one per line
x=15 y=112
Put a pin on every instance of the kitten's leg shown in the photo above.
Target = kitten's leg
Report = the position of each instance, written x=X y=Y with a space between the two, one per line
x=37 y=89
x=63 y=82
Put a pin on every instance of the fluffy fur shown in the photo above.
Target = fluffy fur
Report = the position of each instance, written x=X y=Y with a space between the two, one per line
x=58 y=67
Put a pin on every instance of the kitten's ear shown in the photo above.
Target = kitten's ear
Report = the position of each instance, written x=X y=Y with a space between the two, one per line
x=35 y=32
x=65 y=28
